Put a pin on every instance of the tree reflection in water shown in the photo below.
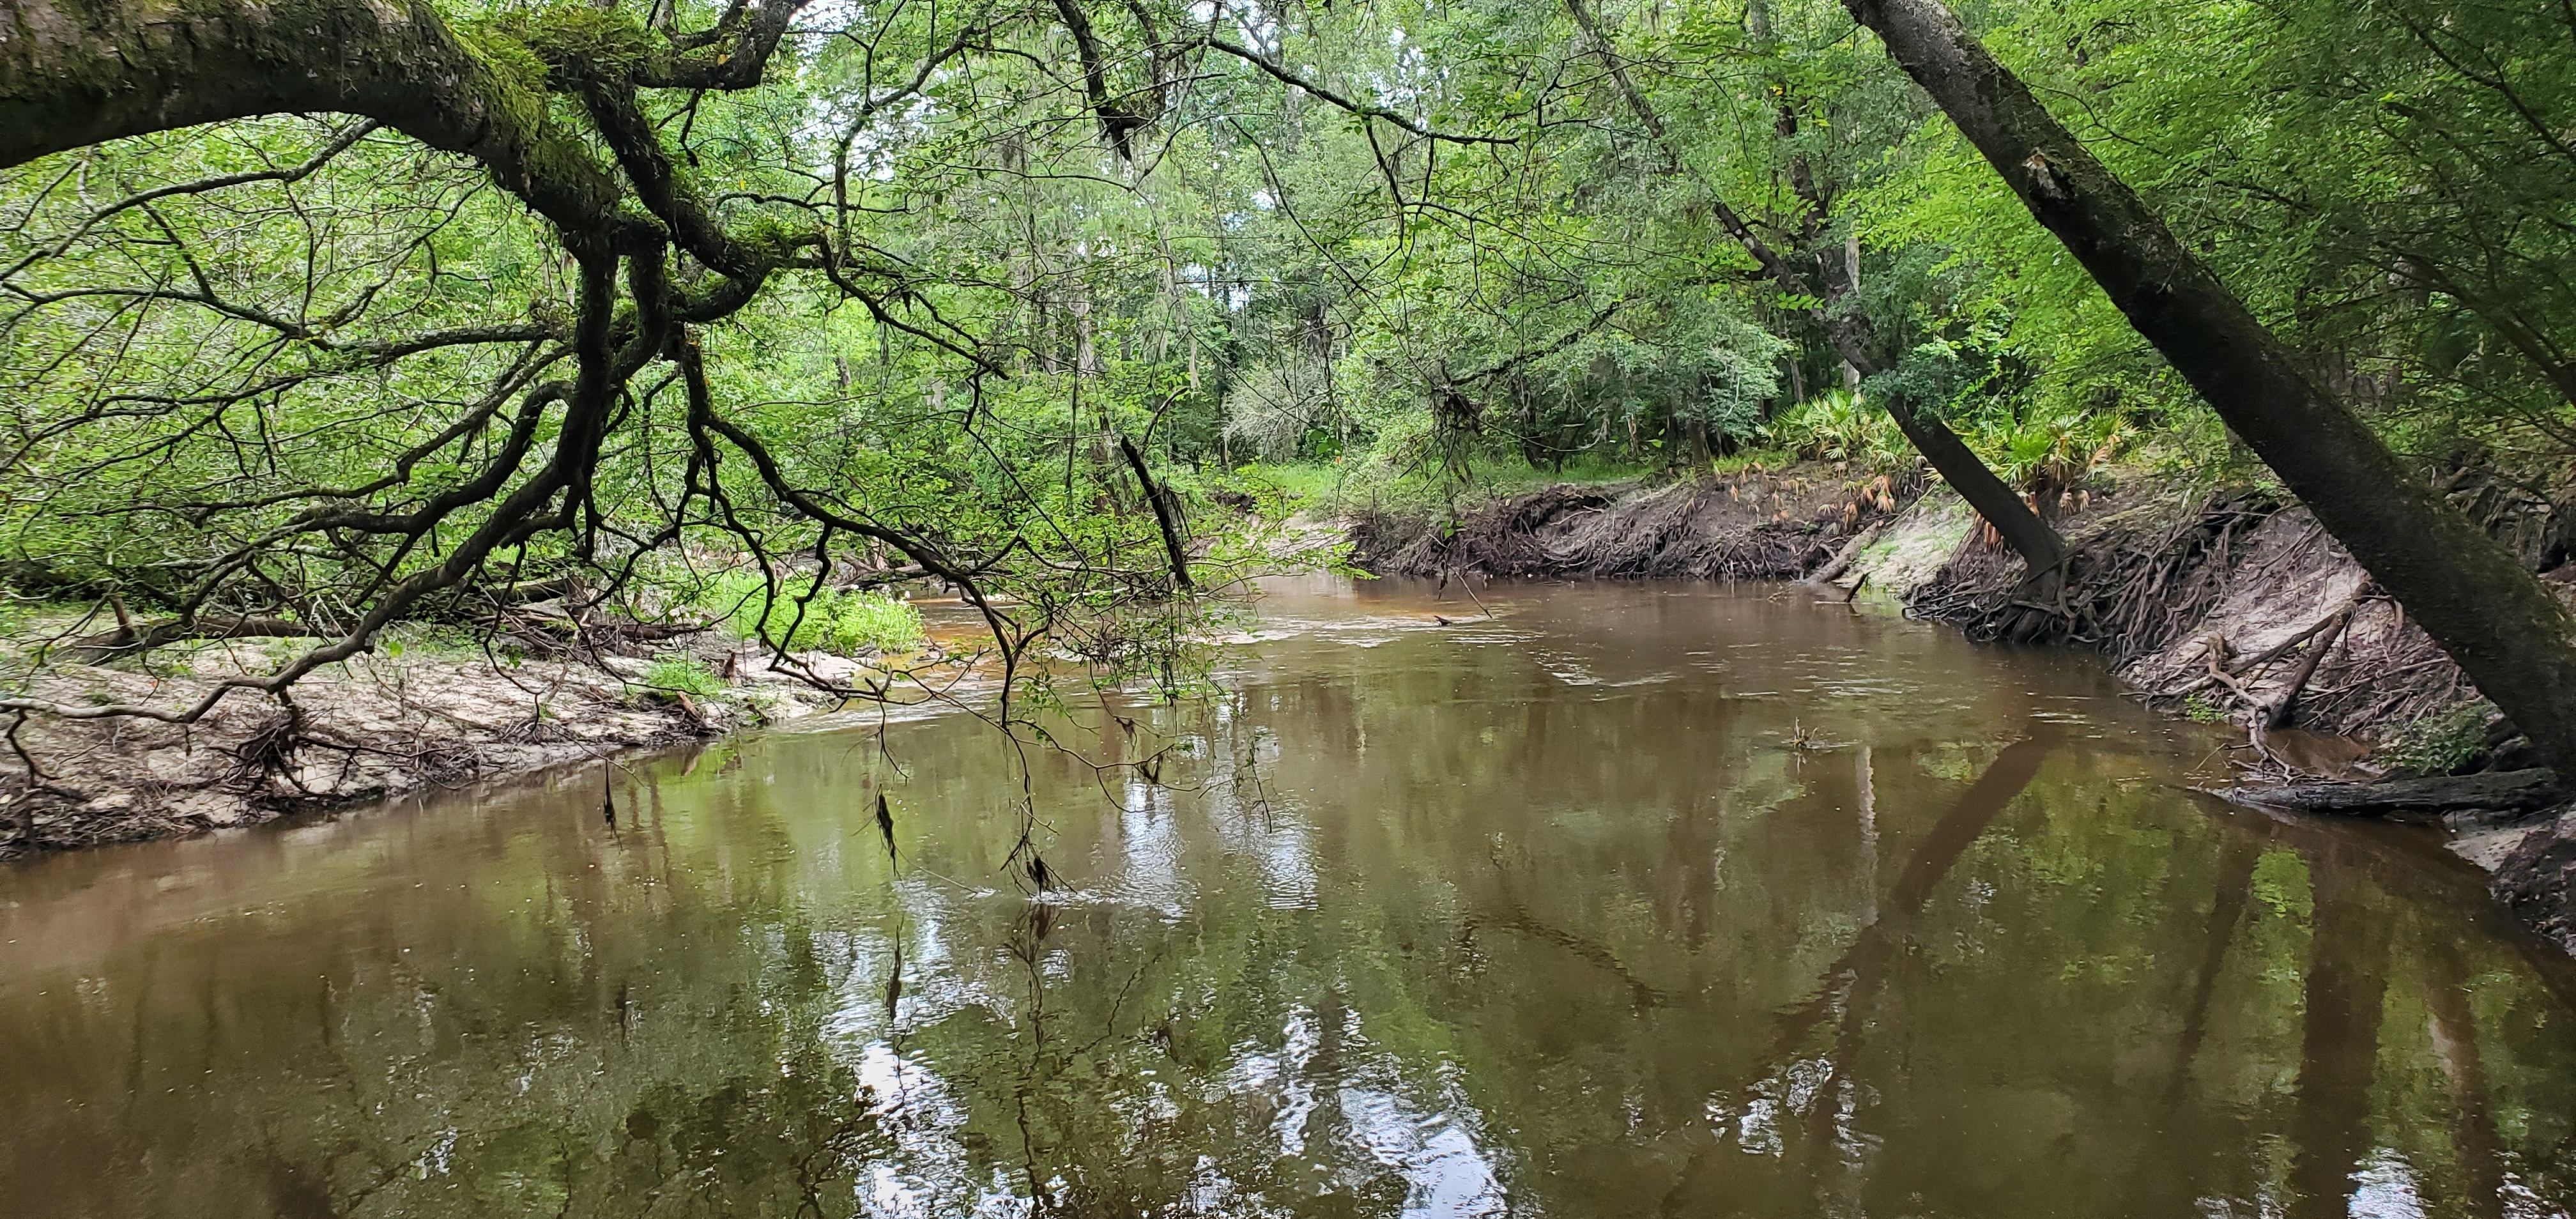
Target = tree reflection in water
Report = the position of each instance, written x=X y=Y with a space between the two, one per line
x=1540 y=915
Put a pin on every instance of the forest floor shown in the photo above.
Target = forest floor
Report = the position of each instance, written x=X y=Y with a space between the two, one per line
x=2220 y=603
x=394 y=722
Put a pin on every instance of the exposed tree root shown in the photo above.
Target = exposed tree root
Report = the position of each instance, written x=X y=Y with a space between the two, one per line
x=2228 y=605
x=1759 y=525
x=2136 y=578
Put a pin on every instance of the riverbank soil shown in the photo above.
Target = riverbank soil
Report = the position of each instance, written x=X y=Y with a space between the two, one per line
x=357 y=732
x=1753 y=525
x=2225 y=604
x=383 y=724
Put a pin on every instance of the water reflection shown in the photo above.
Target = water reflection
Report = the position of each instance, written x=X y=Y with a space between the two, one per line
x=1627 y=900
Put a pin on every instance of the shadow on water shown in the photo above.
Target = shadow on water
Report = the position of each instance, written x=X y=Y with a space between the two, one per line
x=1620 y=900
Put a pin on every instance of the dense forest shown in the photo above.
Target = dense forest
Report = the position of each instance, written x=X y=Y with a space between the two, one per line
x=324 y=317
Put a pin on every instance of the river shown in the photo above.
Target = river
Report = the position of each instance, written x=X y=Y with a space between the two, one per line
x=1625 y=900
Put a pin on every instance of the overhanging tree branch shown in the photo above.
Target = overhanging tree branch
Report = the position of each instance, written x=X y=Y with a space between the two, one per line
x=1341 y=102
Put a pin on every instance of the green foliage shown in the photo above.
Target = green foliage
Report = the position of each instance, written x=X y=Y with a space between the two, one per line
x=1377 y=486
x=2385 y=184
x=1840 y=426
x=2439 y=744
x=604 y=39
x=2050 y=449
x=843 y=622
x=682 y=675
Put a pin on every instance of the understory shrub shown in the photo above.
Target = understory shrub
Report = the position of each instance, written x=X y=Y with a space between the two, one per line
x=1839 y=425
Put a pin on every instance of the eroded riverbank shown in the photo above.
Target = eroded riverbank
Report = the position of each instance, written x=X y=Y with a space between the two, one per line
x=2225 y=605
x=395 y=721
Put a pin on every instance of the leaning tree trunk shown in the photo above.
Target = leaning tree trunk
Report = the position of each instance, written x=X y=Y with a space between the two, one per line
x=2488 y=611
x=2042 y=551
x=2038 y=545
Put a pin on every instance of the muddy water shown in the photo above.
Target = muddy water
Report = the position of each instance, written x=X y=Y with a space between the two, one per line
x=1629 y=901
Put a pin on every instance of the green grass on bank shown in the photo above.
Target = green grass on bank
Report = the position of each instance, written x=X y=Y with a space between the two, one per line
x=840 y=621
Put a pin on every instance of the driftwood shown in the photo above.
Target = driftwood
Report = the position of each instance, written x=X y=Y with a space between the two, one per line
x=2510 y=790
x=1842 y=559
x=2335 y=621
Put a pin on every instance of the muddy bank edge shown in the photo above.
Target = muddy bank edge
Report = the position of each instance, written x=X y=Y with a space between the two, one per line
x=2210 y=602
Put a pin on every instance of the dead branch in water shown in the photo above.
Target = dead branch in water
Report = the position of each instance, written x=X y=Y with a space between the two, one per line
x=1842 y=559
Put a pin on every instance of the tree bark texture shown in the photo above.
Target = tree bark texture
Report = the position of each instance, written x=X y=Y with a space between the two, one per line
x=79 y=72
x=1159 y=497
x=75 y=73
x=2493 y=616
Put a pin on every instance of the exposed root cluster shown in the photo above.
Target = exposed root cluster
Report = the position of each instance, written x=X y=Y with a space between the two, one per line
x=2230 y=605
x=1756 y=525
x=2135 y=579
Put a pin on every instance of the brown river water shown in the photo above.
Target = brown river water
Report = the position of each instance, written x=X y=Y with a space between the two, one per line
x=1629 y=900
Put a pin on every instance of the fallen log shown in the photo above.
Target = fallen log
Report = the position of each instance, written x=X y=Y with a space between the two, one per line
x=1842 y=559
x=2510 y=790
x=126 y=640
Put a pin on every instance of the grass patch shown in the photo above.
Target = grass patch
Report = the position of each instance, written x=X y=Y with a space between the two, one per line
x=430 y=641
x=682 y=675
x=842 y=622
